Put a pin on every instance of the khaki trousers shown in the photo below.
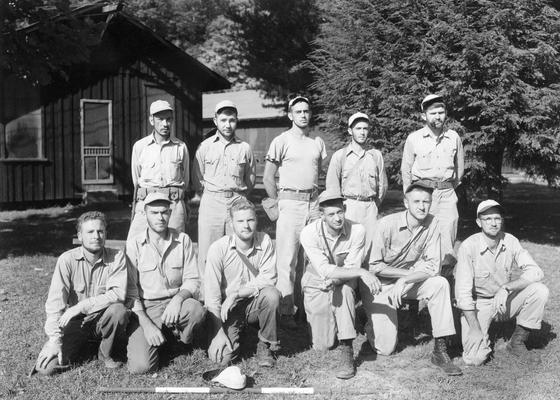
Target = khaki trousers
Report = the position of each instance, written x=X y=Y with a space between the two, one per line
x=444 y=207
x=365 y=213
x=382 y=325
x=139 y=224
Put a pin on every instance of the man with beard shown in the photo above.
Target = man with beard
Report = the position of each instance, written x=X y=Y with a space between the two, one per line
x=297 y=158
x=435 y=154
x=223 y=172
x=239 y=288
x=359 y=175
x=485 y=290
x=335 y=249
x=405 y=255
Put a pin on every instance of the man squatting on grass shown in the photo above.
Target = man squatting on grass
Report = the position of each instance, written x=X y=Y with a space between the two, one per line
x=485 y=291
x=85 y=300
x=163 y=282
x=239 y=288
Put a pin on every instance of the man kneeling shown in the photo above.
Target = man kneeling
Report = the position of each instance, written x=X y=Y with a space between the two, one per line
x=85 y=299
x=239 y=288
x=484 y=267
x=335 y=249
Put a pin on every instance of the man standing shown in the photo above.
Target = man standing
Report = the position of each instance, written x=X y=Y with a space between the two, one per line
x=223 y=172
x=85 y=299
x=405 y=255
x=163 y=281
x=359 y=175
x=297 y=158
x=160 y=163
x=485 y=290
x=239 y=288
x=335 y=249
x=435 y=154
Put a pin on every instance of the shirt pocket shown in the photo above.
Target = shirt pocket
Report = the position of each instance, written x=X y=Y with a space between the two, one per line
x=237 y=169
x=424 y=160
x=448 y=157
x=176 y=170
x=485 y=283
x=175 y=275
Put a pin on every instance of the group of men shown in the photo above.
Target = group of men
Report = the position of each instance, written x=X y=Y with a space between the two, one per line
x=160 y=289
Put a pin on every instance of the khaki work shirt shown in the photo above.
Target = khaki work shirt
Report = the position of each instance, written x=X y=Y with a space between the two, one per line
x=357 y=173
x=482 y=271
x=224 y=166
x=396 y=246
x=162 y=164
x=426 y=156
x=226 y=272
x=92 y=287
x=155 y=276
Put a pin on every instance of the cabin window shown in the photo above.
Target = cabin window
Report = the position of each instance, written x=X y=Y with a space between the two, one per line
x=23 y=137
x=97 y=141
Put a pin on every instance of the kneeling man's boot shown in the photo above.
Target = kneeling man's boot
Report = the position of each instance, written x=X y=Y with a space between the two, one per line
x=346 y=369
x=442 y=359
x=516 y=345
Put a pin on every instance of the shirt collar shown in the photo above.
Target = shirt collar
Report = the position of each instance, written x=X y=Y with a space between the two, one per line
x=350 y=149
x=79 y=255
x=153 y=139
x=343 y=233
x=483 y=246
x=217 y=137
x=403 y=224
x=428 y=132
x=257 y=242
x=144 y=239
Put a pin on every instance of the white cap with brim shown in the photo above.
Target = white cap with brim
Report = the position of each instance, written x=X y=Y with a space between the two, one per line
x=486 y=205
x=355 y=116
x=159 y=106
x=232 y=378
x=225 y=104
x=297 y=99
x=429 y=100
x=156 y=196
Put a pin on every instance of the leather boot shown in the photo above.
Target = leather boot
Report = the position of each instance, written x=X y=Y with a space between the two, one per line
x=346 y=369
x=265 y=358
x=516 y=345
x=442 y=360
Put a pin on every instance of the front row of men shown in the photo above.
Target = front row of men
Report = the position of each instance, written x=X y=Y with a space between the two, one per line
x=91 y=290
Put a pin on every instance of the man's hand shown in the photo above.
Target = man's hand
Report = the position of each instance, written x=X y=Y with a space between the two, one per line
x=68 y=315
x=397 y=292
x=218 y=346
x=228 y=304
x=153 y=334
x=500 y=300
x=49 y=352
x=172 y=312
x=371 y=281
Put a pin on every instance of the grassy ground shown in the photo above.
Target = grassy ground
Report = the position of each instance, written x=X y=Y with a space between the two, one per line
x=29 y=246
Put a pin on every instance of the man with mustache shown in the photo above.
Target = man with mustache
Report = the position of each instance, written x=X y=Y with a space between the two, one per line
x=297 y=159
x=239 y=288
x=159 y=163
x=223 y=172
x=359 y=175
x=435 y=154
x=85 y=300
x=405 y=256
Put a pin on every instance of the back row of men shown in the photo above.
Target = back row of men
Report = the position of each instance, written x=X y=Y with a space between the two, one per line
x=245 y=280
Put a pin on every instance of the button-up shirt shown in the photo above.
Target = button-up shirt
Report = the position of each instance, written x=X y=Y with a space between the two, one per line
x=155 y=276
x=483 y=271
x=227 y=271
x=222 y=165
x=347 y=249
x=298 y=159
x=92 y=287
x=354 y=172
x=162 y=164
x=395 y=245
x=437 y=158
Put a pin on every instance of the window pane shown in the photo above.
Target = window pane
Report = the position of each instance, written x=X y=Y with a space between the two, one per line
x=90 y=169
x=23 y=136
x=96 y=124
x=104 y=167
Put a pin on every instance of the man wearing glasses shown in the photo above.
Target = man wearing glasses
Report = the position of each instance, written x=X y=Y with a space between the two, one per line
x=485 y=289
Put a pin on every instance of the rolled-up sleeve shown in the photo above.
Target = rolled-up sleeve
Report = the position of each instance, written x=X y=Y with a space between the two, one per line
x=531 y=271
x=198 y=169
x=430 y=260
x=317 y=257
x=267 y=269
x=213 y=279
x=57 y=299
x=459 y=160
x=191 y=279
x=383 y=181
x=334 y=173
x=274 y=153
x=464 y=279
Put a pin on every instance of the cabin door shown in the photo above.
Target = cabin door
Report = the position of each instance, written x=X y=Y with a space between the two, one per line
x=97 y=141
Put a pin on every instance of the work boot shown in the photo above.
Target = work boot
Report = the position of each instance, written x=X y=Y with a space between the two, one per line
x=442 y=360
x=516 y=345
x=346 y=369
x=265 y=358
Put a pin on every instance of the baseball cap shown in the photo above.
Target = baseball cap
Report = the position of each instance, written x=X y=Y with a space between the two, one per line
x=159 y=106
x=486 y=205
x=232 y=378
x=156 y=196
x=420 y=184
x=225 y=104
x=328 y=196
x=355 y=116
x=431 y=99
x=297 y=99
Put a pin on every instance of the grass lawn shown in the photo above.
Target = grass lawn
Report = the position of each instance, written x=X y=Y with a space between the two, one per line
x=29 y=246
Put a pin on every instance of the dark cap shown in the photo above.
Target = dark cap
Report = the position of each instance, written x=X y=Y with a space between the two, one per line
x=329 y=196
x=420 y=184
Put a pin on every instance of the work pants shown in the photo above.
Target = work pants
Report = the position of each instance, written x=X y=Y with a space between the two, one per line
x=365 y=213
x=330 y=313
x=527 y=306
x=261 y=311
x=382 y=325
x=444 y=207
x=294 y=215
x=139 y=224
x=142 y=357
x=103 y=325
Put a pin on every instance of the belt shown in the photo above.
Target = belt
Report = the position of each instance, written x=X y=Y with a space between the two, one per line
x=440 y=184
x=359 y=198
x=298 y=190
x=173 y=192
x=226 y=193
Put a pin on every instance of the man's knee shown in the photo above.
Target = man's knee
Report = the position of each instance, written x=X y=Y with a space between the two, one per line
x=438 y=285
x=140 y=365
x=539 y=290
x=193 y=310
x=270 y=297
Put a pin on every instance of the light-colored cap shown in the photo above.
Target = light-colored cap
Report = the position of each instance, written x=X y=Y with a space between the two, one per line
x=431 y=99
x=355 y=116
x=297 y=99
x=232 y=378
x=328 y=196
x=225 y=104
x=156 y=196
x=486 y=205
x=421 y=184
x=159 y=106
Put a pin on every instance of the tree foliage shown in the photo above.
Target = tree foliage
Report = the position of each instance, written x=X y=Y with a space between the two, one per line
x=496 y=62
